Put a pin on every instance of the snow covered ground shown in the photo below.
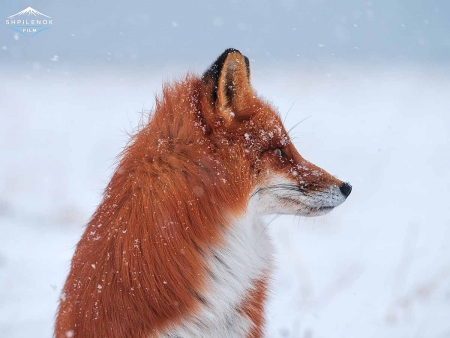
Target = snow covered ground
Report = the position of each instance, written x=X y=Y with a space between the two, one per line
x=378 y=266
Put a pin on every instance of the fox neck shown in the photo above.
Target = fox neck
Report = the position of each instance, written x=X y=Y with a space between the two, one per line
x=236 y=266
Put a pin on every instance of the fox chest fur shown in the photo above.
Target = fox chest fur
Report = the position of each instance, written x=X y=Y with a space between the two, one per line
x=236 y=269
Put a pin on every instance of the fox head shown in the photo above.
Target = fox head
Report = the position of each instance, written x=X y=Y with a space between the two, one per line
x=252 y=138
x=212 y=147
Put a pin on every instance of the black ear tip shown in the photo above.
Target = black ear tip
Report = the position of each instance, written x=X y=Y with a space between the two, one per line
x=213 y=72
x=215 y=69
x=231 y=50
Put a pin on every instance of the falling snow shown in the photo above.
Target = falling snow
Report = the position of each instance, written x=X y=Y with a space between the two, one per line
x=375 y=267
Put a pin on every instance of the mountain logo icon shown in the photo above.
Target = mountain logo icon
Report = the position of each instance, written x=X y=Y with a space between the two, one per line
x=29 y=22
x=29 y=11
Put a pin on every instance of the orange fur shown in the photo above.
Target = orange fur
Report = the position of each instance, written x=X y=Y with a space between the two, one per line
x=253 y=307
x=140 y=265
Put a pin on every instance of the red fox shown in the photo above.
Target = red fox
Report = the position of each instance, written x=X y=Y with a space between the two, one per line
x=177 y=247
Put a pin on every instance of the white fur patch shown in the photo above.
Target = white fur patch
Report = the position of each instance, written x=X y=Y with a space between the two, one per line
x=282 y=196
x=243 y=258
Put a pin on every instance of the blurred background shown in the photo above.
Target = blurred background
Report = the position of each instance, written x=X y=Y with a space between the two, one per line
x=372 y=79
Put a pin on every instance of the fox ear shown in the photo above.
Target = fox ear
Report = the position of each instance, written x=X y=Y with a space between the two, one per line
x=228 y=83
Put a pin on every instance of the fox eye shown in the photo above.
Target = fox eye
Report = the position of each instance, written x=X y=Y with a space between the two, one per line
x=279 y=152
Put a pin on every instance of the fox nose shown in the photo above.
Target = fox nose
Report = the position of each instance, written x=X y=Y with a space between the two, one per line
x=346 y=189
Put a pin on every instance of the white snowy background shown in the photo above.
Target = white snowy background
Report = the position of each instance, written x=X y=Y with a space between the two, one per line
x=372 y=79
x=378 y=266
